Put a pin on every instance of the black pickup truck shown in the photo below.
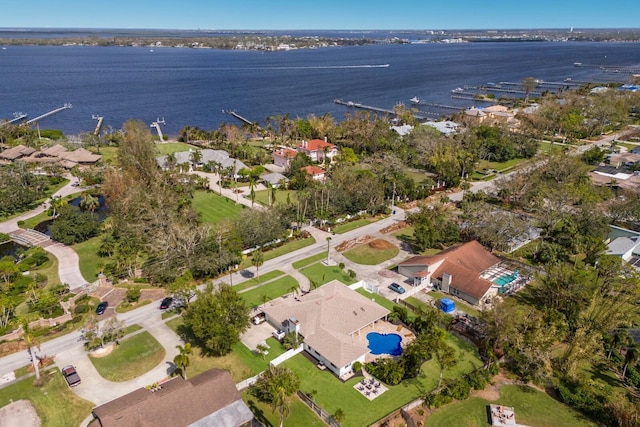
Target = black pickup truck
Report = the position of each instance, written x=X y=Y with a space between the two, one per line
x=70 y=374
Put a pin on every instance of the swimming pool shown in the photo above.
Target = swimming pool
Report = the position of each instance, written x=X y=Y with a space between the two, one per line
x=384 y=343
x=506 y=279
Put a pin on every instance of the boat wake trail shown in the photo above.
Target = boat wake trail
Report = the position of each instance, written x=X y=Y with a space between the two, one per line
x=328 y=67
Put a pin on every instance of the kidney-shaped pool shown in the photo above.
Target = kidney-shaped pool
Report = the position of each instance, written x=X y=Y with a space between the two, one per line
x=384 y=343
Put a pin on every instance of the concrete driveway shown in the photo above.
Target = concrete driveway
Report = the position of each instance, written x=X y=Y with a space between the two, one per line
x=256 y=334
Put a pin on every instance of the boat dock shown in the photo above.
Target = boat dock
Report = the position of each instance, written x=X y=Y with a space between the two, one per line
x=16 y=118
x=419 y=115
x=50 y=113
x=471 y=97
x=239 y=117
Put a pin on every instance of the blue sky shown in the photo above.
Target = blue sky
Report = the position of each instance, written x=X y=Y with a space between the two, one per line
x=320 y=14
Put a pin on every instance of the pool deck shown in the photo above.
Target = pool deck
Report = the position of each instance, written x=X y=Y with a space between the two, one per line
x=384 y=327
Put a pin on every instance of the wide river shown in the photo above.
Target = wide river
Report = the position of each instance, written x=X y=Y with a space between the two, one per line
x=194 y=86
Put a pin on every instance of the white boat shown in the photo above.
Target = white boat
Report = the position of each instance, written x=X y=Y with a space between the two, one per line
x=415 y=100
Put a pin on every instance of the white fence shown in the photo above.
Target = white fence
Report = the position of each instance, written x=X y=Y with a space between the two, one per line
x=287 y=355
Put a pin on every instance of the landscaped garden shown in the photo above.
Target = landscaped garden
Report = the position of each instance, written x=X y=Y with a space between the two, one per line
x=54 y=402
x=532 y=408
x=131 y=358
x=90 y=261
x=372 y=253
x=332 y=394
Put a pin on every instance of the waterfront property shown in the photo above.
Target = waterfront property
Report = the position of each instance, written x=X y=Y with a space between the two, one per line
x=56 y=154
x=318 y=150
x=331 y=320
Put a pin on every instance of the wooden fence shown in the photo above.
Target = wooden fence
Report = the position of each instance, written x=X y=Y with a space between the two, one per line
x=324 y=415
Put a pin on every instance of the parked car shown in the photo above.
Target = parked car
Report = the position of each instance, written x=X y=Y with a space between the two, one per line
x=102 y=307
x=71 y=375
x=279 y=334
x=166 y=303
x=396 y=288
x=259 y=318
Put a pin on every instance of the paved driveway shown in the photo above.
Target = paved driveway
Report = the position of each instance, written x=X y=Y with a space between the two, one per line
x=256 y=334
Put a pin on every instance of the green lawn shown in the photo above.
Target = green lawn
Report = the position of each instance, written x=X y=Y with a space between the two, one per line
x=352 y=225
x=333 y=394
x=35 y=220
x=55 y=403
x=242 y=363
x=321 y=274
x=133 y=357
x=378 y=299
x=271 y=290
x=545 y=147
x=109 y=154
x=308 y=261
x=367 y=255
x=50 y=269
x=499 y=166
x=404 y=232
x=173 y=147
x=532 y=408
x=299 y=413
x=255 y=281
x=290 y=246
x=89 y=259
x=215 y=208
x=262 y=196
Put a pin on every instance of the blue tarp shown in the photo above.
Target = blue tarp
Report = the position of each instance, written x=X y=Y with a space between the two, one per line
x=447 y=305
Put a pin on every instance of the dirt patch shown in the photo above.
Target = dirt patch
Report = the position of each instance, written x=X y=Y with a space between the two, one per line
x=353 y=243
x=20 y=413
x=152 y=294
x=102 y=352
x=394 y=227
x=12 y=347
x=380 y=244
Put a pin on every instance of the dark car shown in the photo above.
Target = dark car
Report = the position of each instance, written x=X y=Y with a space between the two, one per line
x=166 y=303
x=396 y=288
x=71 y=375
x=102 y=307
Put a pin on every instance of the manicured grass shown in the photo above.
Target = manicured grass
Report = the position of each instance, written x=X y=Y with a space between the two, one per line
x=321 y=274
x=35 y=220
x=131 y=329
x=215 y=208
x=50 y=269
x=109 y=154
x=290 y=246
x=55 y=403
x=242 y=363
x=262 y=196
x=404 y=232
x=367 y=255
x=173 y=147
x=352 y=225
x=417 y=303
x=89 y=259
x=333 y=394
x=532 y=407
x=545 y=147
x=308 y=261
x=459 y=305
x=379 y=299
x=299 y=413
x=255 y=281
x=275 y=289
x=500 y=166
x=132 y=358
x=417 y=176
x=124 y=306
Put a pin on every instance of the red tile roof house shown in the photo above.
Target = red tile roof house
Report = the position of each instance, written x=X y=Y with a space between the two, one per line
x=456 y=271
x=315 y=149
x=315 y=172
x=283 y=156
x=330 y=319
x=208 y=399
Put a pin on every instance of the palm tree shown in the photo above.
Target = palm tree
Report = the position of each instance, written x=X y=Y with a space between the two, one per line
x=339 y=415
x=257 y=259
x=276 y=386
x=56 y=203
x=182 y=360
x=31 y=341
x=196 y=156
x=631 y=357
x=171 y=161
x=446 y=357
x=252 y=189
x=89 y=202
x=328 y=241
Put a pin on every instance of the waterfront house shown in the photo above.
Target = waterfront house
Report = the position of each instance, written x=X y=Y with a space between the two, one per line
x=17 y=152
x=330 y=319
x=456 y=271
x=208 y=399
x=317 y=149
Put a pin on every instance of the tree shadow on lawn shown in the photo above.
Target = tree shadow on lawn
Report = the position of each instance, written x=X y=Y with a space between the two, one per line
x=258 y=413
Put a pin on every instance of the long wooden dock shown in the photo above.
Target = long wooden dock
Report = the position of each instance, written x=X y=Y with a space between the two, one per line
x=50 y=113
x=418 y=115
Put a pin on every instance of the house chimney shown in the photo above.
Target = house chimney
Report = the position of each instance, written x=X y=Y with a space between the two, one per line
x=446 y=282
x=325 y=139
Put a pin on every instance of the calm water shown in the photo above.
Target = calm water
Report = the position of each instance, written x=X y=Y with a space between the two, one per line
x=193 y=86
